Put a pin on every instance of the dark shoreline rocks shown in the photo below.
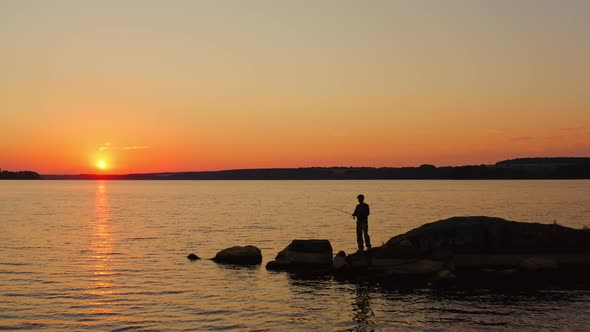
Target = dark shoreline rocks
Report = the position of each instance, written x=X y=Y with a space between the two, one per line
x=460 y=251
x=248 y=255
x=475 y=250
x=301 y=255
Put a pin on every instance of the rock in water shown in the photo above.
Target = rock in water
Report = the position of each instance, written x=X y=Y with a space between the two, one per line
x=193 y=257
x=340 y=262
x=536 y=264
x=248 y=255
x=478 y=248
x=303 y=255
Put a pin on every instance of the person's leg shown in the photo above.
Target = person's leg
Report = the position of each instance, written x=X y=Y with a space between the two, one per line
x=366 y=233
x=359 y=235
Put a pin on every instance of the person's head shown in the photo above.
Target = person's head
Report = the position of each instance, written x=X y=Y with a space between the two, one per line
x=361 y=198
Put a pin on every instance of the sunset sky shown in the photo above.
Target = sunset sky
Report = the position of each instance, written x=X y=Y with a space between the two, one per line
x=149 y=86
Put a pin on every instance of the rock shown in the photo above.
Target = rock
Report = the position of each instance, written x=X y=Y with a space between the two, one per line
x=340 y=262
x=474 y=249
x=538 y=263
x=359 y=260
x=485 y=260
x=303 y=255
x=423 y=266
x=468 y=235
x=248 y=255
x=499 y=272
x=193 y=257
x=444 y=275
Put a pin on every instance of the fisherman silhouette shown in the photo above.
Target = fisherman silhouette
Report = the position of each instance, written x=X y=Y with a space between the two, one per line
x=361 y=212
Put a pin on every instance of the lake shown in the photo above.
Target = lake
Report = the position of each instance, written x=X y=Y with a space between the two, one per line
x=111 y=255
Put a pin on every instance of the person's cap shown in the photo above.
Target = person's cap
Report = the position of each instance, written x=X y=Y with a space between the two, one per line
x=360 y=196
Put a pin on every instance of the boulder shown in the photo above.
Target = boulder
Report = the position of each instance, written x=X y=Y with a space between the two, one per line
x=444 y=275
x=538 y=263
x=303 y=255
x=479 y=235
x=477 y=248
x=193 y=257
x=340 y=262
x=248 y=255
x=419 y=267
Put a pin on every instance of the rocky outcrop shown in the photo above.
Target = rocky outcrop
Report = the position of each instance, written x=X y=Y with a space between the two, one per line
x=472 y=247
x=248 y=255
x=303 y=255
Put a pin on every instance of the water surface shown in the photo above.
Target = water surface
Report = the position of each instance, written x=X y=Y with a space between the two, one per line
x=110 y=255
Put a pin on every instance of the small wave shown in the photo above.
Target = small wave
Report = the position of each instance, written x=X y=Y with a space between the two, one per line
x=141 y=238
x=15 y=264
x=152 y=293
x=131 y=327
x=24 y=326
x=17 y=272
x=492 y=323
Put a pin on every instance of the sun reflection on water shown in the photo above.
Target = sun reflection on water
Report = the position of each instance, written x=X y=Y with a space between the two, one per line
x=102 y=249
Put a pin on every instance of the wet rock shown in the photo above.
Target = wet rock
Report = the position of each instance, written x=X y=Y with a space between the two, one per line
x=193 y=257
x=444 y=275
x=499 y=272
x=340 y=262
x=248 y=255
x=358 y=260
x=477 y=248
x=538 y=263
x=422 y=266
x=303 y=255
x=487 y=235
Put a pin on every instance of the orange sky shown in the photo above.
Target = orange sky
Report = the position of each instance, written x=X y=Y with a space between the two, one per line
x=177 y=85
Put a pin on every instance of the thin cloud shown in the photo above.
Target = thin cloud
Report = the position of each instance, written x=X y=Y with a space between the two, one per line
x=108 y=147
x=135 y=147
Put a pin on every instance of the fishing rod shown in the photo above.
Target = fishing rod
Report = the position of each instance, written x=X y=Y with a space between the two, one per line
x=348 y=213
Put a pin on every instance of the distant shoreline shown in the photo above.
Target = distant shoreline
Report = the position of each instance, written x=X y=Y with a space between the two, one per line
x=559 y=168
x=516 y=169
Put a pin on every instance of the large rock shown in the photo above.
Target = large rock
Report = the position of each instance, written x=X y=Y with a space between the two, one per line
x=248 y=255
x=471 y=246
x=465 y=235
x=303 y=255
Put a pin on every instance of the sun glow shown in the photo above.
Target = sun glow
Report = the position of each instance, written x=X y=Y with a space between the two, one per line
x=101 y=164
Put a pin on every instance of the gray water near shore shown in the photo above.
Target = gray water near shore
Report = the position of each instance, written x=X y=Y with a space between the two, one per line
x=111 y=255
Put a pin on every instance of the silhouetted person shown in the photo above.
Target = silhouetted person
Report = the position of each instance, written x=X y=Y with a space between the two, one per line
x=361 y=212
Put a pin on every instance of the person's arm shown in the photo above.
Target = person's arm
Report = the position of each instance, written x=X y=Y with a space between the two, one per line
x=368 y=211
x=354 y=214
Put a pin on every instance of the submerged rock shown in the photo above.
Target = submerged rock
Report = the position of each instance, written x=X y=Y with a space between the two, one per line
x=248 y=255
x=303 y=255
x=193 y=257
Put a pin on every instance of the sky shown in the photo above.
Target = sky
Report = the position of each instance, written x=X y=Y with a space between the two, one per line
x=154 y=86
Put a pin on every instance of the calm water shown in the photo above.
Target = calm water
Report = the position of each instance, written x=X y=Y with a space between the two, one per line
x=110 y=255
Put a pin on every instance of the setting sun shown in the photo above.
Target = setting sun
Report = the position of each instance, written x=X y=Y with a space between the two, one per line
x=101 y=164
